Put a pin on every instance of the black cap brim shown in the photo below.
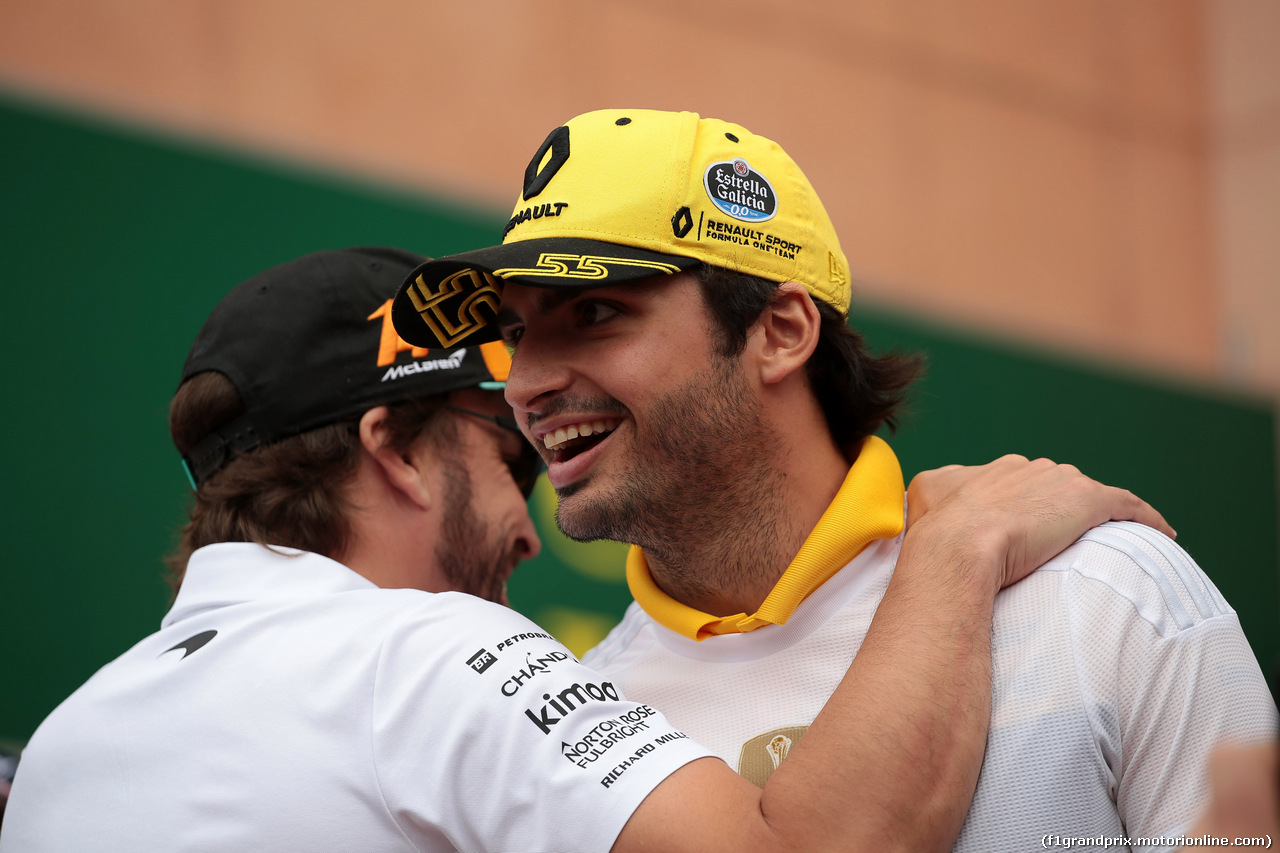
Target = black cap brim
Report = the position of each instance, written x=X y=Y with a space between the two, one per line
x=452 y=301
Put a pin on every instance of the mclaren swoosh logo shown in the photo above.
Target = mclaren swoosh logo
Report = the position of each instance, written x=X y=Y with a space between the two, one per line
x=191 y=644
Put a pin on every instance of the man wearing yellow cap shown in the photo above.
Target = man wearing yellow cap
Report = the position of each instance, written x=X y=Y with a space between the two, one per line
x=321 y=683
x=676 y=299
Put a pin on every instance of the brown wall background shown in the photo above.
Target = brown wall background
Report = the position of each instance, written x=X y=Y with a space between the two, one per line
x=1097 y=176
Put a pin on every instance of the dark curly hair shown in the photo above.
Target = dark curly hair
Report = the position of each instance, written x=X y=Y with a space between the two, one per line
x=859 y=392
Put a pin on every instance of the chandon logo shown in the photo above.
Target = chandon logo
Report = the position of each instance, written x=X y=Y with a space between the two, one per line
x=564 y=702
x=532 y=667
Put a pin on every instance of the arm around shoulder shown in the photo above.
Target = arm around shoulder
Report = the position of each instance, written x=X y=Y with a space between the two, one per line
x=892 y=761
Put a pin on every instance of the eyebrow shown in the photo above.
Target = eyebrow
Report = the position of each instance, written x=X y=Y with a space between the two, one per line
x=547 y=300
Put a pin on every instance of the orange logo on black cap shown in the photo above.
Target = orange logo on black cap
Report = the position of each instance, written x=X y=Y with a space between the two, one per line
x=390 y=344
x=456 y=309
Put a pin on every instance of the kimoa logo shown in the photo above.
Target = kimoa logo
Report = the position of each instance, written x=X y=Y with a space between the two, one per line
x=563 y=703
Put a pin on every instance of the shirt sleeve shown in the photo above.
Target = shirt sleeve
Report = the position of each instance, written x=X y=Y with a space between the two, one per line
x=1159 y=644
x=488 y=733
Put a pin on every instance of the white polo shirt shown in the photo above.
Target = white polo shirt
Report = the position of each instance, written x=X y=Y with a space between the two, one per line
x=1117 y=667
x=287 y=703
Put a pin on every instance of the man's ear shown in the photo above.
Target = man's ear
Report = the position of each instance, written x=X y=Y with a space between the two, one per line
x=788 y=329
x=404 y=469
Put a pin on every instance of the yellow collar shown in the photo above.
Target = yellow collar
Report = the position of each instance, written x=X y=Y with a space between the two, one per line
x=868 y=507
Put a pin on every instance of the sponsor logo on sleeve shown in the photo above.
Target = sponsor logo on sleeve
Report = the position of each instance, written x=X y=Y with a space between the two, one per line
x=192 y=644
x=520 y=638
x=533 y=667
x=481 y=660
x=601 y=738
x=616 y=773
x=564 y=703
x=763 y=754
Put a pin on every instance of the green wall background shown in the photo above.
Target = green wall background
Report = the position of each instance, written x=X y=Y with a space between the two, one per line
x=117 y=242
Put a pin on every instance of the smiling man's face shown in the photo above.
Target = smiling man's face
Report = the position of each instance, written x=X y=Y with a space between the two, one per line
x=485 y=528
x=640 y=420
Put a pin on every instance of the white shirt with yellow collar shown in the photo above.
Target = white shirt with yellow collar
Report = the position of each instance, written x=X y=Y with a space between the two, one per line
x=1117 y=667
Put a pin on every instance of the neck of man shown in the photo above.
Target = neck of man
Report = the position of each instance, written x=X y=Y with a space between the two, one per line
x=725 y=554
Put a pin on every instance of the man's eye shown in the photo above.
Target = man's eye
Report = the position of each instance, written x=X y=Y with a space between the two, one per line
x=511 y=335
x=591 y=313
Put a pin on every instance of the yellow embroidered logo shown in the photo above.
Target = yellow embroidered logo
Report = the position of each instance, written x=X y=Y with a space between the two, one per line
x=456 y=309
x=391 y=344
x=762 y=754
x=835 y=271
x=557 y=265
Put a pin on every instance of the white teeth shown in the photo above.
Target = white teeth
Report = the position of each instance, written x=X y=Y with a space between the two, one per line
x=554 y=439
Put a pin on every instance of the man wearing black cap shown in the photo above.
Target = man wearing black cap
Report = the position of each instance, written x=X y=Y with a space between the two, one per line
x=318 y=684
x=677 y=280
x=266 y=367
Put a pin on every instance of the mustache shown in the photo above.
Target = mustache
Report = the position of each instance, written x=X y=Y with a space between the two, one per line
x=561 y=403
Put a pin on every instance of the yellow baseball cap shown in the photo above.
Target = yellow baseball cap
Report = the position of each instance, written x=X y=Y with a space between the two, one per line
x=619 y=195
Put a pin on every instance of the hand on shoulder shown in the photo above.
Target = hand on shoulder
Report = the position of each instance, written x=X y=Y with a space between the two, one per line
x=1027 y=510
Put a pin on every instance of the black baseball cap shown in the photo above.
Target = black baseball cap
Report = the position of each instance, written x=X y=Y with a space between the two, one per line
x=310 y=342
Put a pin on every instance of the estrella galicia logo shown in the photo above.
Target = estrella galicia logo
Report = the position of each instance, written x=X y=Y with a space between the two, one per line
x=481 y=660
x=739 y=191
